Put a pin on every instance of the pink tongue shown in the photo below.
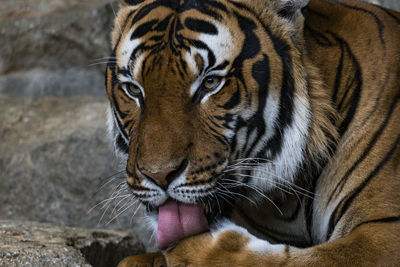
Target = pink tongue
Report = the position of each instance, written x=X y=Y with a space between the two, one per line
x=178 y=220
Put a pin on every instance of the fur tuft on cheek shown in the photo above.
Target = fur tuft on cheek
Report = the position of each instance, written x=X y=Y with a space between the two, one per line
x=114 y=133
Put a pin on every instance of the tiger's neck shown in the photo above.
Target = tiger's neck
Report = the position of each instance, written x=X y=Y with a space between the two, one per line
x=286 y=217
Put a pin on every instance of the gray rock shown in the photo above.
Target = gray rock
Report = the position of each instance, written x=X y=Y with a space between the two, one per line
x=34 y=244
x=55 y=158
x=47 y=47
x=392 y=4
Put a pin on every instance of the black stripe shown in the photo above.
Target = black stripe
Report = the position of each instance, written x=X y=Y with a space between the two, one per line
x=119 y=123
x=145 y=10
x=380 y=95
x=317 y=13
x=201 y=26
x=377 y=20
x=114 y=84
x=241 y=6
x=217 y=5
x=350 y=80
x=133 y=2
x=380 y=220
x=202 y=45
x=143 y=29
x=128 y=18
x=319 y=38
x=143 y=48
x=371 y=144
x=233 y=101
x=285 y=115
x=397 y=19
x=121 y=144
x=163 y=25
x=281 y=237
x=251 y=47
x=338 y=77
x=203 y=7
x=356 y=92
x=214 y=123
x=124 y=72
x=344 y=205
x=221 y=66
x=220 y=137
x=261 y=74
x=356 y=78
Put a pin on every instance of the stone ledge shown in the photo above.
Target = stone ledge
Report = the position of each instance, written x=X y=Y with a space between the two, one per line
x=39 y=244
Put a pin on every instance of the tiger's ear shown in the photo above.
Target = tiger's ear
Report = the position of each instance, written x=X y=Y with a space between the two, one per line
x=130 y=2
x=290 y=9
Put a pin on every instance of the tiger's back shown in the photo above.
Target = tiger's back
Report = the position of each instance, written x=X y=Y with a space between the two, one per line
x=356 y=47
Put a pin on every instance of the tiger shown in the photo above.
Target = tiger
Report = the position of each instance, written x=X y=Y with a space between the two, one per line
x=273 y=124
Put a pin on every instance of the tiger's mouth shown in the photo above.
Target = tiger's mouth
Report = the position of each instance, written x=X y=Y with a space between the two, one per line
x=215 y=205
x=177 y=220
x=212 y=210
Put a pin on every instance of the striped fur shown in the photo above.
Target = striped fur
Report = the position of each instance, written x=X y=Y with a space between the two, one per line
x=297 y=146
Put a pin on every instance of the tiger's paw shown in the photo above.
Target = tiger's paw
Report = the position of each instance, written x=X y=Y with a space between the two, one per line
x=228 y=246
x=145 y=260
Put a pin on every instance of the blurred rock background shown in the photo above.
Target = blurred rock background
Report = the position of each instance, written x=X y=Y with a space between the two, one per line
x=54 y=153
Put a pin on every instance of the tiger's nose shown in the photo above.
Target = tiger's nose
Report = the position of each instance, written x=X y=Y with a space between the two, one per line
x=166 y=176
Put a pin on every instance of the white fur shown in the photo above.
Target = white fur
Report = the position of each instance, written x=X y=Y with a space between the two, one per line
x=287 y=163
x=254 y=244
x=113 y=131
x=161 y=196
x=126 y=49
x=176 y=189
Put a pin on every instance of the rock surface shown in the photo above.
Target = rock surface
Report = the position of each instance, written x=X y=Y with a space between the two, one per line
x=55 y=158
x=47 y=46
x=392 y=4
x=34 y=244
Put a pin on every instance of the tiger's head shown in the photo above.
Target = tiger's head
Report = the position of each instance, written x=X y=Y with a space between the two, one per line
x=208 y=96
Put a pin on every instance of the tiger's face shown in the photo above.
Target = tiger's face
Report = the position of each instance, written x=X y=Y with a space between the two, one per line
x=206 y=96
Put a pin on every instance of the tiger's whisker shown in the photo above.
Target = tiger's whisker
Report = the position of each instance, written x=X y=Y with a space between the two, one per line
x=100 y=63
x=280 y=178
x=287 y=186
x=236 y=193
x=257 y=190
x=116 y=216
x=105 y=200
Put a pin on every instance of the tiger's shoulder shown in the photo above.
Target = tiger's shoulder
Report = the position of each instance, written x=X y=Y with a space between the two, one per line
x=356 y=46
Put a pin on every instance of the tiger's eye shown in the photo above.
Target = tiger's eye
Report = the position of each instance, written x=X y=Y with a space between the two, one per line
x=211 y=82
x=132 y=89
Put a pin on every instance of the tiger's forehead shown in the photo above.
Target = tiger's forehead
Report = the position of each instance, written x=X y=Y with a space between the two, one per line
x=202 y=41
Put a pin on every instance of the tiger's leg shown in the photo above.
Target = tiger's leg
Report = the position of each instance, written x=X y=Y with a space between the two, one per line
x=373 y=243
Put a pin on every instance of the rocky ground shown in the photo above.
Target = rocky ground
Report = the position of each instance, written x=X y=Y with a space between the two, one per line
x=55 y=157
x=34 y=244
